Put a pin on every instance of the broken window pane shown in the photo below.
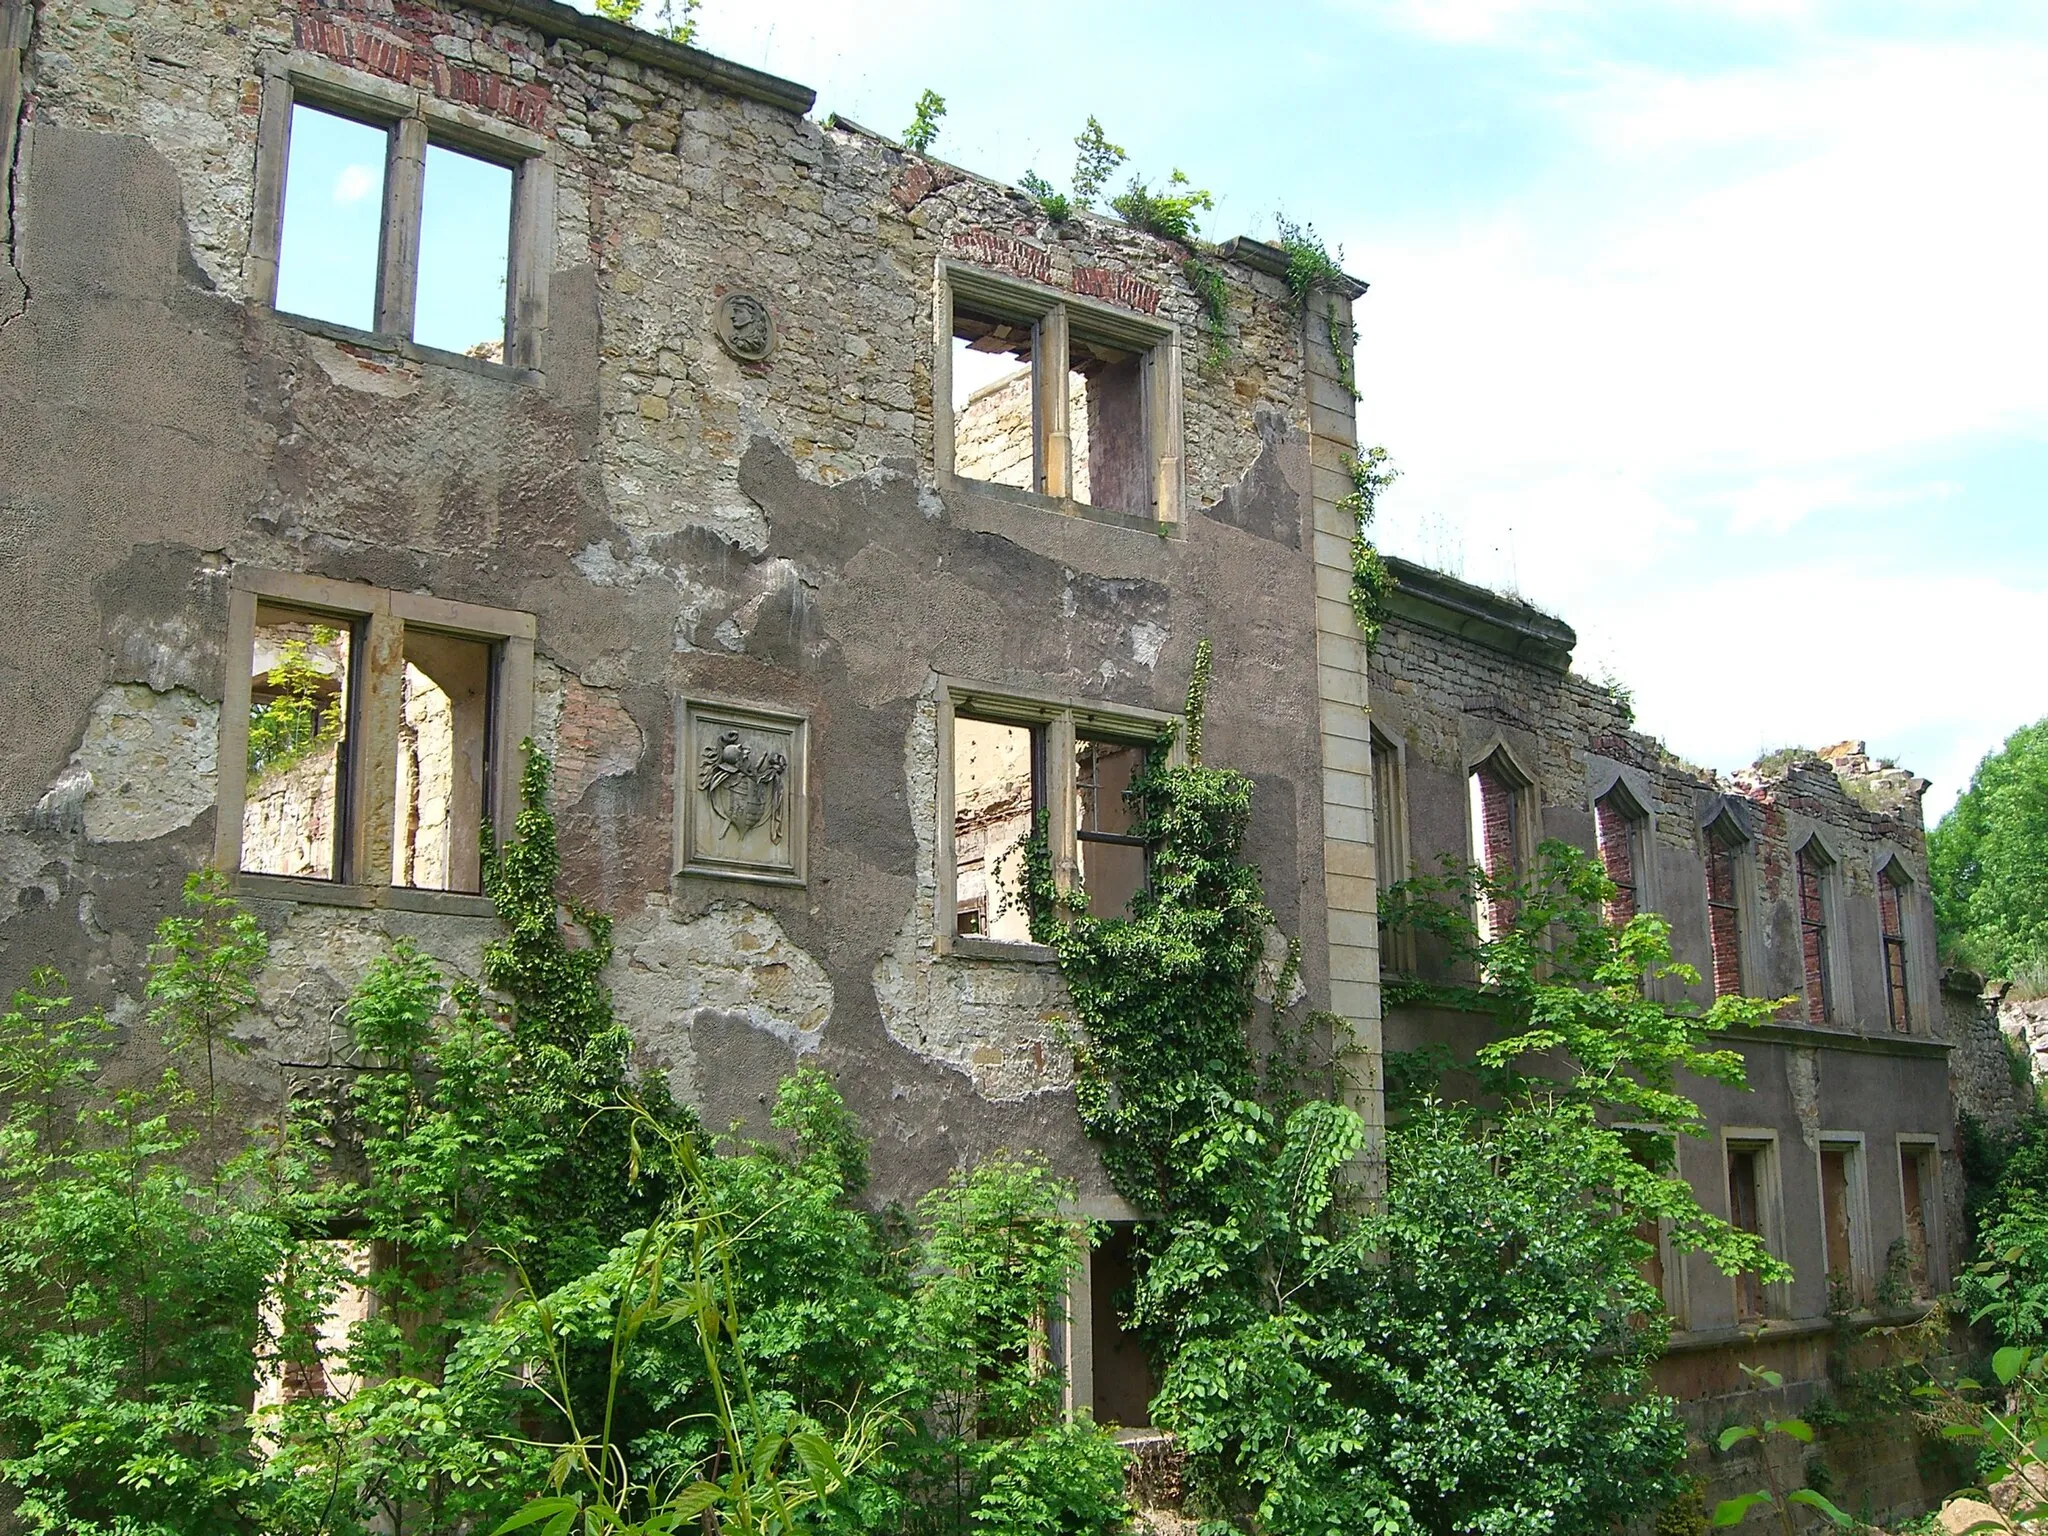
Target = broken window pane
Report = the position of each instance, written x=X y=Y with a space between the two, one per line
x=333 y=218
x=1106 y=422
x=1109 y=852
x=298 y=743
x=996 y=772
x=1745 y=1214
x=995 y=426
x=443 y=732
x=465 y=244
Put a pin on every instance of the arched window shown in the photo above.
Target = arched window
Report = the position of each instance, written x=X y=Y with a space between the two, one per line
x=1501 y=824
x=1816 y=872
x=1623 y=826
x=1726 y=850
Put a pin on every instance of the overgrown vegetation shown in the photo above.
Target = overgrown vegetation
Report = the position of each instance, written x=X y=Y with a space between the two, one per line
x=1311 y=269
x=923 y=131
x=1170 y=212
x=1469 y=1352
x=1988 y=861
x=675 y=20
x=1095 y=160
x=709 y=1323
x=1371 y=473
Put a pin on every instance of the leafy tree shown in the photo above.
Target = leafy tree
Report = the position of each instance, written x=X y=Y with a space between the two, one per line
x=1169 y=212
x=1988 y=861
x=285 y=728
x=129 y=1287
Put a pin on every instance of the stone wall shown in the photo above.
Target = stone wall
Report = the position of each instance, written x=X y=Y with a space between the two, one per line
x=680 y=524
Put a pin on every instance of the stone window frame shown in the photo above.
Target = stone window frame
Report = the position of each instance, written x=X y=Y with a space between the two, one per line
x=1835 y=981
x=1727 y=819
x=414 y=119
x=690 y=861
x=1862 y=1271
x=1063 y=720
x=1388 y=760
x=1526 y=807
x=1928 y=1149
x=1770 y=1205
x=379 y=617
x=1051 y=312
x=1640 y=816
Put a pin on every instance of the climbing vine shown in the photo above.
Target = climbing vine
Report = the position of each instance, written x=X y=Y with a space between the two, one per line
x=1371 y=581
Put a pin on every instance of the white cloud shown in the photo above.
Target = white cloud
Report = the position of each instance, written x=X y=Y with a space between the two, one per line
x=355 y=183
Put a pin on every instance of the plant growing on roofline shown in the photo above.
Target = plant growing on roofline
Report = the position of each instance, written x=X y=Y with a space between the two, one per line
x=923 y=131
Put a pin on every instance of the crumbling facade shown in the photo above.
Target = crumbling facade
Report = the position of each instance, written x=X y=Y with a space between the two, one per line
x=301 y=537
x=386 y=385
x=1803 y=877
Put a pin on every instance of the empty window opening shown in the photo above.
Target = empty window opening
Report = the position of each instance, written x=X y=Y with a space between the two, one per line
x=1891 y=912
x=1498 y=826
x=299 y=697
x=1746 y=1214
x=308 y=1354
x=1124 y=1383
x=1724 y=912
x=997 y=772
x=443 y=784
x=1619 y=823
x=995 y=415
x=328 y=248
x=1815 y=872
x=1106 y=427
x=1841 y=1200
x=465 y=250
x=1916 y=1187
x=1110 y=851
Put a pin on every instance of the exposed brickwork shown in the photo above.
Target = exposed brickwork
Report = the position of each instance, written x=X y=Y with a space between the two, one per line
x=1616 y=831
x=1724 y=917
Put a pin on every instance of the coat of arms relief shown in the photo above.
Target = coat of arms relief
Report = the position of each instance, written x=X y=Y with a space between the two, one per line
x=740 y=802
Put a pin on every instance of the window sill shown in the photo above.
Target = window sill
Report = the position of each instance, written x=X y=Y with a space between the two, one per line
x=1066 y=506
x=390 y=898
x=406 y=348
x=967 y=946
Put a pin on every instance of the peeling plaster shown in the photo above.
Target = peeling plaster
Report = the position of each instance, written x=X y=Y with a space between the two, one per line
x=732 y=965
x=146 y=766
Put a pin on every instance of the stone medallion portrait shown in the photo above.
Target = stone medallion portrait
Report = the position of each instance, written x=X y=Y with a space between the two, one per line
x=740 y=792
x=745 y=327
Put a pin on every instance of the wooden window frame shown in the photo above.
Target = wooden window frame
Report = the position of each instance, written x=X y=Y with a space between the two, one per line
x=1927 y=1148
x=1862 y=1270
x=412 y=120
x=1054 y=315
x=1896 y=949
x=378 y=618
x=1062 y=721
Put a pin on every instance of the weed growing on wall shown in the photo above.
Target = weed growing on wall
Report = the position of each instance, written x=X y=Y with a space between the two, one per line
x=1467 y=1352
x=1371 y=473
x=1209 y=288
x=923 y=131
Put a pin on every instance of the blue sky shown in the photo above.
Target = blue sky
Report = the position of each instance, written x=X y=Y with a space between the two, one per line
x=1716 y=328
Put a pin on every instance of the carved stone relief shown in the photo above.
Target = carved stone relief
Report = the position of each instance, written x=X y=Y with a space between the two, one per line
x=740 y=793
x=746 y=328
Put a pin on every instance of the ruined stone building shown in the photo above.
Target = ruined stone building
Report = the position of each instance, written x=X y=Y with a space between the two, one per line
x=385 y=382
